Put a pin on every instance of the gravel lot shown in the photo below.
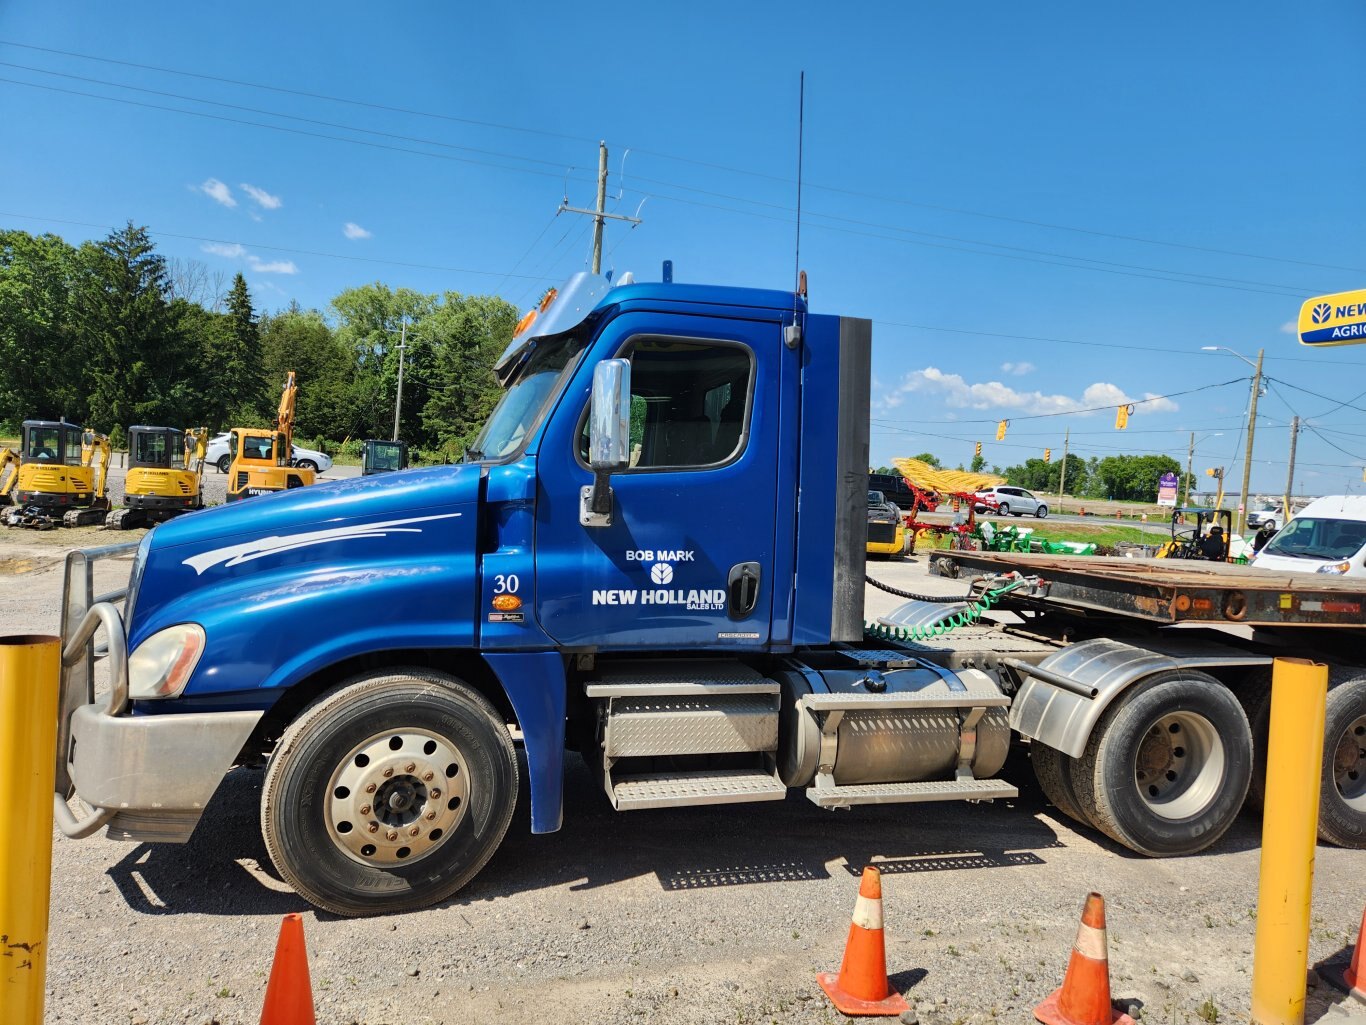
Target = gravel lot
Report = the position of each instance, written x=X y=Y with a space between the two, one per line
x=684 y=915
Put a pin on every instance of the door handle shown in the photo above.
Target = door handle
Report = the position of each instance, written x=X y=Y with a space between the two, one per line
x=743 y=587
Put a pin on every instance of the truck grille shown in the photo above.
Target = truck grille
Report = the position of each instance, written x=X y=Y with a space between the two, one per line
x=882 y=533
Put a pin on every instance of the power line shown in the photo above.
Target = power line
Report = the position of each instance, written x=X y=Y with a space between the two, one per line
x=674 y=157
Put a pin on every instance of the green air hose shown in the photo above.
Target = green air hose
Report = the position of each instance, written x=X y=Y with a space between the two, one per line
x=934 y=631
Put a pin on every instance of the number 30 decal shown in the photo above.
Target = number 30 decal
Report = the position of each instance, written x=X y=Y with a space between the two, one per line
x=506 y=584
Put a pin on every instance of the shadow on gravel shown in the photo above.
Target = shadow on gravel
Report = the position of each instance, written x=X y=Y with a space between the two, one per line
x=224 y=869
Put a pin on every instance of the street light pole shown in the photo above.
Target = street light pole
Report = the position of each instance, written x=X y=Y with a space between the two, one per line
x=1251 y=423
x=402 y=345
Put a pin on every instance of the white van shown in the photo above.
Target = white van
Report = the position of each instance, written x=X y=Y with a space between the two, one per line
x=1327 y=536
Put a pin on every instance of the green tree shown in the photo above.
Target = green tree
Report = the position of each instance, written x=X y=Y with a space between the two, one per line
x=1132 y=478
x=370 y=324
x=468 y=334
x=237 y=389
x=978 y=463
x=44 y=373
x=300 y=340
x=930 y=458
x=140 y=368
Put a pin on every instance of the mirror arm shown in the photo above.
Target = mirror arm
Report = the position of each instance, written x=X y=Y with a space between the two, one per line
x=601 y=502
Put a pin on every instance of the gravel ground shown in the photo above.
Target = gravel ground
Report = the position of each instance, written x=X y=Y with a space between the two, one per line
x=684 y=915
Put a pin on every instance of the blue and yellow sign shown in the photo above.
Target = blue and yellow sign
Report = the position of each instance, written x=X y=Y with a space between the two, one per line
x=1338 y=319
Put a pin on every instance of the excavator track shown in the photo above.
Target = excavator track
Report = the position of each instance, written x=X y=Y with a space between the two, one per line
x=125 y=519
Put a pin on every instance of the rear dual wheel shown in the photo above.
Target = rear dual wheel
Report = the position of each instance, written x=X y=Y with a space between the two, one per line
x=1165 y=770
x=389 y=794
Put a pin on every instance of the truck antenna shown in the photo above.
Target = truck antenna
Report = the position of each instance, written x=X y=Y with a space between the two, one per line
x=794 y=333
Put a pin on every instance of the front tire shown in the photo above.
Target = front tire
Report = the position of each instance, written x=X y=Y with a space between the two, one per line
x=1041 y=512
x=1168 y=765
x=389 y=794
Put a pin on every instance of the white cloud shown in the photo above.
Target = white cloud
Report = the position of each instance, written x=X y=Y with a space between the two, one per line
x=263 y=198
x=353 y=230
x=218 y=192
x=232 y=251
x=1290 y=327
x=261 y=266
x=1018 y=369
x=958 y=393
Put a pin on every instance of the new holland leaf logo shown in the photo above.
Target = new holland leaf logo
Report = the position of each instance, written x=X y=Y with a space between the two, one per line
x=1322 y=312
x=661 y=573
x=260 y=548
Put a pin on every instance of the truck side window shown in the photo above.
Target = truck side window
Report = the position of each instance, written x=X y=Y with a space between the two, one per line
x=689 y=403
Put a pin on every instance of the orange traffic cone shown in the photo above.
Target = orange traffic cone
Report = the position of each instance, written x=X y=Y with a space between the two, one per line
x=289 y=997
x=862 y=986
x=1351 y=978
x=1084 y=998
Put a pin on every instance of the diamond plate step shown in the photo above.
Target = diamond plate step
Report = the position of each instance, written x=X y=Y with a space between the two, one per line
x=682 y=725
x=907 y=793
x=671 y=790
x=864 y=702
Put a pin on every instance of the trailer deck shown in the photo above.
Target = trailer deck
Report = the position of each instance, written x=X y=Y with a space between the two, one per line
x=1174 y=591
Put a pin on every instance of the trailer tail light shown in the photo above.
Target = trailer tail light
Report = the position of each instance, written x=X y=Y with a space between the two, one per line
x=161 y=665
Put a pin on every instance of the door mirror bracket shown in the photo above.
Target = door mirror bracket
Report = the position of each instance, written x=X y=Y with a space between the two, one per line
x=609 y=439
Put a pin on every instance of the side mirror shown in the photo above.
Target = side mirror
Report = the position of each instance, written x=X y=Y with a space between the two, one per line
x=609 y=439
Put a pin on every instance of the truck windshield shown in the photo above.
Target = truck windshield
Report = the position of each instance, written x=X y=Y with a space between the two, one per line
x=1307 y=538
x=527 y=397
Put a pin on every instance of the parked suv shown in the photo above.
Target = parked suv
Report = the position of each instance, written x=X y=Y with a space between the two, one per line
x=1009 y=501
x=219 y=454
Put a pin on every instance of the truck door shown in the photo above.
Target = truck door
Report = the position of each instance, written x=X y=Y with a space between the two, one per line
x=687 y=561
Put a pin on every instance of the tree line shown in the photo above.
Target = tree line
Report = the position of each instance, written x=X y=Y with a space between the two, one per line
x=109 y=334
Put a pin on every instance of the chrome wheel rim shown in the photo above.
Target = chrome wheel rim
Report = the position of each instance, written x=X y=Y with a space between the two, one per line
x=397 y=797
x=1349 y=764
x=1179 y=765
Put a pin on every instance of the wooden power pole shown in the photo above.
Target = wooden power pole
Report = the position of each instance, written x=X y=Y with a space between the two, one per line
x=599 y=213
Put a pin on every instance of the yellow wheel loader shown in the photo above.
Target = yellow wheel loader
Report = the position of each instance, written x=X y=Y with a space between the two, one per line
x=263 y=460
x=59 y=483
x=165 y=471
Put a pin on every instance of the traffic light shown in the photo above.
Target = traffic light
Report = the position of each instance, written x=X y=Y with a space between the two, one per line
x=1217 y=472
x=1048 y=455
x=978 y=452
x=1122 y=417
x=1001 y=430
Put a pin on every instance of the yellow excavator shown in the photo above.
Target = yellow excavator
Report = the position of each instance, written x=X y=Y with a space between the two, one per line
x=262 y=460
x=165 y=471
x=59 y=483
x=9 y=473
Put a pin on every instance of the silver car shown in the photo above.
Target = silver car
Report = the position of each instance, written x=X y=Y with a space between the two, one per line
x=1010 y=501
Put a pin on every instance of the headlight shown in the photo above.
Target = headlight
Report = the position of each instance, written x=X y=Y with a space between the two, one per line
x=1335 y=567
x=162 y=664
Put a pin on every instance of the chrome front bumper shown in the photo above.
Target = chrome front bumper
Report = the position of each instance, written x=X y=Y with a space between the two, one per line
x=146 y=777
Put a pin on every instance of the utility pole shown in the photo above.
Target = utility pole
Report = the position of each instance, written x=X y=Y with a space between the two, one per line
x=1290 y=475
x=1190 y=458
x=1062 y=477
x=599 y=214
x=1251 y=430
x=402 y=345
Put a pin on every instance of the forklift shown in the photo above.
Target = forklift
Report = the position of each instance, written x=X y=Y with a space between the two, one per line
x=383 y=457
x=165 y=474
x=58 y=483
x=1191 y=535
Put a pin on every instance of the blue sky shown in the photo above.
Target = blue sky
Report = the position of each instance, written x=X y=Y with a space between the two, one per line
x=991 y=184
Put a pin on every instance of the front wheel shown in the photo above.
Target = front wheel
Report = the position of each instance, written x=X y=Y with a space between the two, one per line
x=1041 y=511
x=389 y=794
x=1168 y=765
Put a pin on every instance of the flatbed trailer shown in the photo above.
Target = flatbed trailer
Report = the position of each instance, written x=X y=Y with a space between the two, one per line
x=1124 y=673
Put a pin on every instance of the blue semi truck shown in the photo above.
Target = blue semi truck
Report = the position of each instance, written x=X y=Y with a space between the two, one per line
x=654 y=555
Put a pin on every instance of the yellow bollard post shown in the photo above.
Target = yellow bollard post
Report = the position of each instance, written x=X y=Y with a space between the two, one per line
x=1290 y=819
x=30 y=668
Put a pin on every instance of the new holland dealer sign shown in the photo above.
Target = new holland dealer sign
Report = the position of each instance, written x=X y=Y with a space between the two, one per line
x=1334 y=319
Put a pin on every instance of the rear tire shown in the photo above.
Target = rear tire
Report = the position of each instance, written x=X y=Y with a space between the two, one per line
x=1342 y=801
x=1003 y=509
x=1168 y=765
x=1053 y=770
x=440 y=763
x=224 y=462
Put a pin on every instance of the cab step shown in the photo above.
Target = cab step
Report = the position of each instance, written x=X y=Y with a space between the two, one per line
x=911 y=793
x=675 y=789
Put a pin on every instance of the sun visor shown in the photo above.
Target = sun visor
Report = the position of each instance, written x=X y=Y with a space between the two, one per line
x=560 y=310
